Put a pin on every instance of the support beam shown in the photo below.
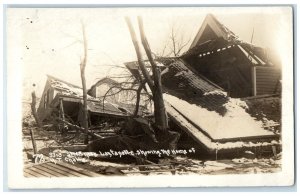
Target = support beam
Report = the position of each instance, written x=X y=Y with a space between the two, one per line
x=33 y=142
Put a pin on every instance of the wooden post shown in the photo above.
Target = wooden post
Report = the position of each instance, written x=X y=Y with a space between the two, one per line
x=33 y=110
x=33 y=142
x=254 y=81
x=274 y=151
x=62 y=113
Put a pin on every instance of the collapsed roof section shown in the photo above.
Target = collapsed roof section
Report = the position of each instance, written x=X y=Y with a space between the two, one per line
x=205 y=112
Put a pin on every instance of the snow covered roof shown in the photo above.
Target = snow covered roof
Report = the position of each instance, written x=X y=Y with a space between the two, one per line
x=73 y=93
x=235 y=123
x=66 y=88
x=213 y=146
x=208 y=108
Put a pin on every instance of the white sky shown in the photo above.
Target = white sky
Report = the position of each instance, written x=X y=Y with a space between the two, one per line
x=48 y=41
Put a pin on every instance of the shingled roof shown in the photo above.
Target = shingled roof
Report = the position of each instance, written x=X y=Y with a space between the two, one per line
x=206 y=107
x=183 y=83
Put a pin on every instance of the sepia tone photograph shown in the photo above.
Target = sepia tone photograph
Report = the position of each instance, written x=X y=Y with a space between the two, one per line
x=150 y=93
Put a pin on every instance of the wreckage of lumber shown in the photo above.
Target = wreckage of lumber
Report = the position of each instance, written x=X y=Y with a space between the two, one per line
x=207 y=143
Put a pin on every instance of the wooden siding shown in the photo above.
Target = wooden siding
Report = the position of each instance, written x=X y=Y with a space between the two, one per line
x=267 y=80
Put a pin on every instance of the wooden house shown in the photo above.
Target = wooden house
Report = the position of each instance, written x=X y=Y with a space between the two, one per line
x=241 y=69
x=59 y=95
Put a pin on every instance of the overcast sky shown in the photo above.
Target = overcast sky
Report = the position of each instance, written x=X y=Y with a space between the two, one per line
x=49 y=41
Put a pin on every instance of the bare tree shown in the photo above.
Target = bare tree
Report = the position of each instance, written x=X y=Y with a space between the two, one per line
x=154 y=83
x=84 y=90
x=175 y=44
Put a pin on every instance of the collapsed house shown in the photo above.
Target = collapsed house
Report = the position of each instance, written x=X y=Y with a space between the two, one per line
x=223 y=93
x=64 y=100
x=203 y=87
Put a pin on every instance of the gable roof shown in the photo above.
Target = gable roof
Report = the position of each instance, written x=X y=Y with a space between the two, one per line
x=211 y=29
x=213 y=37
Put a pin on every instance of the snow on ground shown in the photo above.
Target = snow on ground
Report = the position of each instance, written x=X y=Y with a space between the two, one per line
x=235 y=123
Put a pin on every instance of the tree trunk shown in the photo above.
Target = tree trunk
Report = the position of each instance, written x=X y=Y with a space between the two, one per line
x=160 y=114
x=161 y=119
x=139 y=55
x=84 y=90
x=138 y=97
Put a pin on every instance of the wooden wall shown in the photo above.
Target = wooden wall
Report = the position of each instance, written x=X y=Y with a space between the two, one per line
x=267 y=80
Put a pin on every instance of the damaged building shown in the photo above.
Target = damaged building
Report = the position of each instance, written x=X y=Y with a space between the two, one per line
x=223 y=93
x=64 y=100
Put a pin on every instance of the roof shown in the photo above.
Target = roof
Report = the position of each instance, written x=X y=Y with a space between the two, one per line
x=208 y=108
x=213 y=37
x=94 y=106
x=234 y=124
x=211 y=145
x=60 y=80
x=211 y=29
x=66 y=88
x=73 y=93
x=183 y=83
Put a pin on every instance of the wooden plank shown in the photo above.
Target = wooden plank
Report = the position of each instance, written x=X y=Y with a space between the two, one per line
x=38 y=172
x=79 y=170
x=29 y=174
x=265 y=88
x=267 y=76
x=270 y=90
x=267 y=85
x=48 y=171
x=53 y=170
x=64 y=169
x=267 y=80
